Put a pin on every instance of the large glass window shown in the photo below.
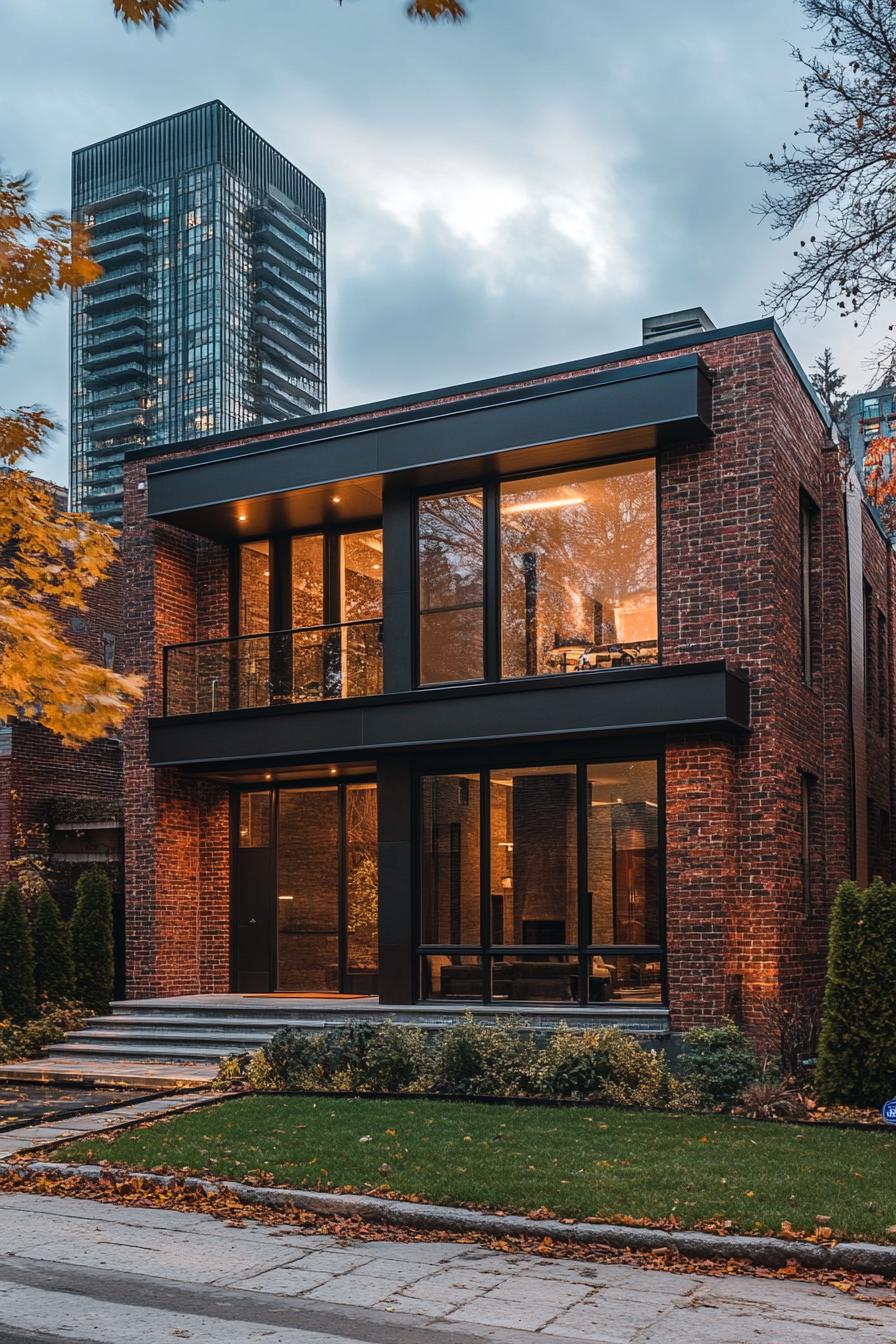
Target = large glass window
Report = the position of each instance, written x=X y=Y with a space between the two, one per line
x=578 y=570
x=254 y=616
x=361 y=574
x=307 y=581
x=523 y=915
x=534 y=883
x=451 y=536
x=450 y=849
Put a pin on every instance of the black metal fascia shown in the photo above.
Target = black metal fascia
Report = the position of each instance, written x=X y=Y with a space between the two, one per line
x=685 y=697
x=673 y=397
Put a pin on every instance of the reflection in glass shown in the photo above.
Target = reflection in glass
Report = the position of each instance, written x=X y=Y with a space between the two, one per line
x=255 y=820
x=307 y=581
x=254 y=614
x=623 y=854
x=361 y=877
x=450 y=532
x=534 y=881
x=519 y=978
x=578 y=570
x=451 y=977
x=361 y=570
x=450 y=859
x=633 y=979
x=308 y=890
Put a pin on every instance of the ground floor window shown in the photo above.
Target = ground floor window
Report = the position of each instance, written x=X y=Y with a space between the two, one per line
x=542 y=883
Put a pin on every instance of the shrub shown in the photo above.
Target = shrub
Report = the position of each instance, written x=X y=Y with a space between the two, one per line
x=91 y=934
x=857 y=1049
x=52 y=1023
x=396 y=1058
x=472 y=1059
x=292 y=1059
x=718 y=1063
x=607 y=1066
x=16 y=957
x=771 y=1097
x=54 y=973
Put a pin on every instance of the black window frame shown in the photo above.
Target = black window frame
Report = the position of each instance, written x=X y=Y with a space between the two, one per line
x=492 y=614
x=580 y=756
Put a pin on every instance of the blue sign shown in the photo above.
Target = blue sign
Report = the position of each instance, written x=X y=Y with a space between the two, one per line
x=888 y=1111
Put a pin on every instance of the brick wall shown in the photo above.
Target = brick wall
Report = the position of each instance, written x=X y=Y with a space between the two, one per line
x=39 y=769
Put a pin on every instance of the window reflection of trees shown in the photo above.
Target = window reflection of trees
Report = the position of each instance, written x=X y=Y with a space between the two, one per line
x=578 y=575
x=451 y=539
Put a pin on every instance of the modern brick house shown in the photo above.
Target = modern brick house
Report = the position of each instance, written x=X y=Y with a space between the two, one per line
x=570 y=688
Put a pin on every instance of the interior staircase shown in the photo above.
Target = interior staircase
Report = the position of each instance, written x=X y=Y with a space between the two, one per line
x=183 y=1039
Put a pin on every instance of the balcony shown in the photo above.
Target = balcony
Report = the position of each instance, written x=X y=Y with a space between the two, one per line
x=285 y=667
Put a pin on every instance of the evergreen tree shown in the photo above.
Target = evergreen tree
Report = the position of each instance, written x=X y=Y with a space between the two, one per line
x=53 y=967
x=879 y=966
x=16 y=957
x=839 y=1074
x=828 y=382
x=92 y=946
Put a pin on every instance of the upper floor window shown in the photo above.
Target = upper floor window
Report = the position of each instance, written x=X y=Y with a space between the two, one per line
x=578 y=570
x=451 y=541
x=573 y=560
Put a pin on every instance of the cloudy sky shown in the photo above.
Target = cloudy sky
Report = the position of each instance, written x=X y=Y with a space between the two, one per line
x=517 y=191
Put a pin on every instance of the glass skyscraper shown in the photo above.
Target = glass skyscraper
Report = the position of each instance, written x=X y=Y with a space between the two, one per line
x=210 y=314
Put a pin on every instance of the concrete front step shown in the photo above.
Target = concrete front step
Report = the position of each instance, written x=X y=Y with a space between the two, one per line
x=110 y=1073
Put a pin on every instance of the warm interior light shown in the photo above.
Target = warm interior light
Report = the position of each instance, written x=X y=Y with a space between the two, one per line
x=268 y=776
x=335 y=499
x=332 y=769
x=525 y=507
x=242 y=517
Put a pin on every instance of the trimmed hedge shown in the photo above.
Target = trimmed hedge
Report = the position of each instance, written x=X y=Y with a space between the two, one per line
x=467 y=1059
x=857 y=1049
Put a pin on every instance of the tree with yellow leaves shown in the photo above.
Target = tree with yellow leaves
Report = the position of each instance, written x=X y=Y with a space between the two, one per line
x=49 y=559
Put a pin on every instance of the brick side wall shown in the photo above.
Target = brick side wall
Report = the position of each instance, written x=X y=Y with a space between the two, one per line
x=40 y=769
x=741 y=925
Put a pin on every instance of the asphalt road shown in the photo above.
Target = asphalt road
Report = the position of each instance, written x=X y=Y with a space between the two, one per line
x=92 y=1273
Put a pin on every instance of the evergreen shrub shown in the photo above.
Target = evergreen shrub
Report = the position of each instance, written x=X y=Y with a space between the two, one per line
x=91 y=935
x=17 y=989
x=54 y=973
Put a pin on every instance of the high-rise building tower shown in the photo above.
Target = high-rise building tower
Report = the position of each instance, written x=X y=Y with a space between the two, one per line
x=210 y=314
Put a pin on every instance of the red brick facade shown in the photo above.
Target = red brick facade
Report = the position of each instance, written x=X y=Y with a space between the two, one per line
x=740 y=924
x=43 y=782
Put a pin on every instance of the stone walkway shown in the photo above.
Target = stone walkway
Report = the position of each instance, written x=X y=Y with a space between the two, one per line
x=21 y=1138
x=106 y=1272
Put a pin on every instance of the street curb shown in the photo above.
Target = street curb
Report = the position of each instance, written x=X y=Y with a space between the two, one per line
x=767 y=1252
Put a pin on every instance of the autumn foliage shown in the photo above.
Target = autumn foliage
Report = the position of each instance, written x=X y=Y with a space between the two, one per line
x=157 y=14
x=49 y=559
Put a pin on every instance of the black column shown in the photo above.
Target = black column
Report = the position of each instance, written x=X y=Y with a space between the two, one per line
x=398 y=591
x=395 y=809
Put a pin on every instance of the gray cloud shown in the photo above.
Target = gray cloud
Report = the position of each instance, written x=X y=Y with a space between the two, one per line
x=511 y=193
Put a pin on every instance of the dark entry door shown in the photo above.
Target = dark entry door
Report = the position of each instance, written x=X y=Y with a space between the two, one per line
x=253 y=916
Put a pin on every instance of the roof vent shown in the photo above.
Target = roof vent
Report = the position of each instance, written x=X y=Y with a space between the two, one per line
x=666 y=326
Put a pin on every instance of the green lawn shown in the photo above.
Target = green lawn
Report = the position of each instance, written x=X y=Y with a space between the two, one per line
x=607 y=1164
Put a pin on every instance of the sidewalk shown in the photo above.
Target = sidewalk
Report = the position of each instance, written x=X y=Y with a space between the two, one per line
x=155 y=1275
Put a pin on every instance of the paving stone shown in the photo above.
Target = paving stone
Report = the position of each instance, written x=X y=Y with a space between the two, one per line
x=414 y=1305
x=523 y=1290
x=335 y=1261
x=432 y=1252
x=702 y=1325
x=492 y=1310
x=459 y=1280
x=284 y=1281
x=354 y=1290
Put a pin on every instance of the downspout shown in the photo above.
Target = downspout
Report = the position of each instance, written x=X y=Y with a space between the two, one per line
x=855 y=623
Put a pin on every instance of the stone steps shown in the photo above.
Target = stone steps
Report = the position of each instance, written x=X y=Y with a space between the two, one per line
x=197 y=1031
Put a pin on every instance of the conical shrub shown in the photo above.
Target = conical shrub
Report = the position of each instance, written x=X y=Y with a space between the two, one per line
x=857 y=1049
x=92 y=946
x=16 y=957
x=54 y=972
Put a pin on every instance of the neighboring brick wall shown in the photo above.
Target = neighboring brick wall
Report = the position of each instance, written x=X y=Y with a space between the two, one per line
x=41 y=769
x=741 y=926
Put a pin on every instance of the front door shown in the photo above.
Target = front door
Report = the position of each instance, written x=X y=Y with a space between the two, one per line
x=317 y=882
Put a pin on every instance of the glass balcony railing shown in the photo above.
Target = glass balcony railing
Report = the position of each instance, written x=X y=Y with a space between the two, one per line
x=284 y=667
